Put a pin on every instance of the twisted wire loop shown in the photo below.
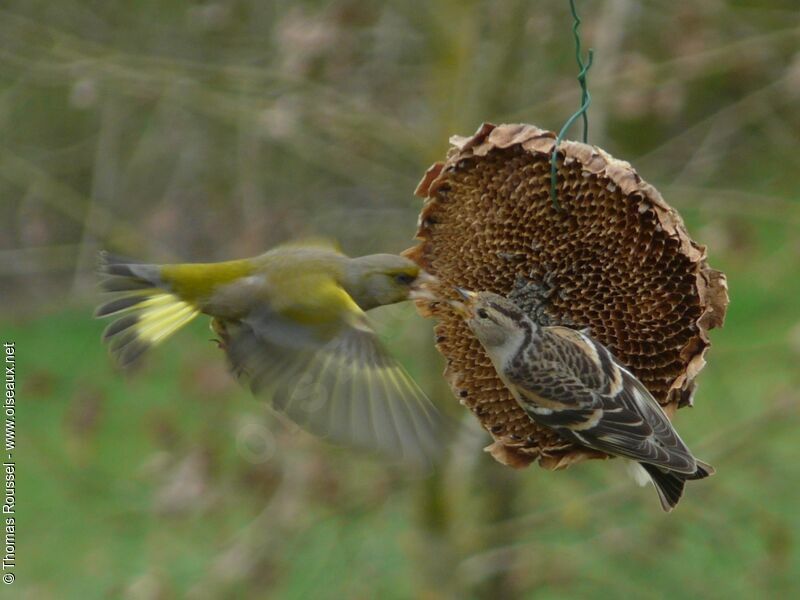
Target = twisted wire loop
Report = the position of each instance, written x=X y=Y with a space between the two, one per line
x=586 y=100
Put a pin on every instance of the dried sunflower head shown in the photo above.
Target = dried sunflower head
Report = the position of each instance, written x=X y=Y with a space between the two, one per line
x=617 y=259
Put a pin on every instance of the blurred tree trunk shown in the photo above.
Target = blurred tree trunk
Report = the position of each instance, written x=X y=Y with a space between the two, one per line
x=105 y=182
x=497 y=488
x=435 y=549
x=609 y=35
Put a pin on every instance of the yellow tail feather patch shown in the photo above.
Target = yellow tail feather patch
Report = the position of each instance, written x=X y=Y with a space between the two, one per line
x=161 y=316
x=146 y=318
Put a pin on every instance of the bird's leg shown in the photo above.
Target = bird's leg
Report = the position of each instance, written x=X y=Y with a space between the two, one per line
x=218 y=327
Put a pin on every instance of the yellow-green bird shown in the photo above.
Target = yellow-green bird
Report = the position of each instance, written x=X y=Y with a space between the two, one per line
x=292 y=324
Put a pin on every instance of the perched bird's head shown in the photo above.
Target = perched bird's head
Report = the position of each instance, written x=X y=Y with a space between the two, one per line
x=380 y=279
x=497 y=322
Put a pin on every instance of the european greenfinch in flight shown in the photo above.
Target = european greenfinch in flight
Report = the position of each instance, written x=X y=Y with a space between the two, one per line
x=292 y=323
x=567 y=381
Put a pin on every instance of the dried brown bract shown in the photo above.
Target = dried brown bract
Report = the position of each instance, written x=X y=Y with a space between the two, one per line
x=617 y=259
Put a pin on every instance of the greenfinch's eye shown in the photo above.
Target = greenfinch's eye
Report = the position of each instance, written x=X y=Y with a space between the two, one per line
x=482 y=313
x=404 y=278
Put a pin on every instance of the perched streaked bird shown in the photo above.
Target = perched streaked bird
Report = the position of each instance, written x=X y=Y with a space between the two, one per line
x=567 y=381
x=292 y=324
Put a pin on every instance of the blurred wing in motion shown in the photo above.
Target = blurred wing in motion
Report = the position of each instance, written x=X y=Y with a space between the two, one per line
x=346 y=388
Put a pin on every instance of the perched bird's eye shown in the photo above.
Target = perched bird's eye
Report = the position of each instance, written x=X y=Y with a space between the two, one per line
x=404 y=278
x=482 y=313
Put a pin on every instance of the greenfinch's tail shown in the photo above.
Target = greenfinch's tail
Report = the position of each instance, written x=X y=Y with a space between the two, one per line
x=146 y=312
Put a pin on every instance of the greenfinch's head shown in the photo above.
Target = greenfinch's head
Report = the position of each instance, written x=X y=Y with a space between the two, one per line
x=380 y=279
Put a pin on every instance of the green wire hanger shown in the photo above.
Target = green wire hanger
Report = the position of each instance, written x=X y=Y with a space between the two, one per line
x=586 y=100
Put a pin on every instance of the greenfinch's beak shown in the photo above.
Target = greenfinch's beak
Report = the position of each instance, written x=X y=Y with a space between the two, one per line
x=463 y=308
x=424 y=279
x=420 y=288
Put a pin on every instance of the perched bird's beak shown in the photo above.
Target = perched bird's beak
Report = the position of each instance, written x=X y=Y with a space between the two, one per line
x=420 y=288
x=463 y=308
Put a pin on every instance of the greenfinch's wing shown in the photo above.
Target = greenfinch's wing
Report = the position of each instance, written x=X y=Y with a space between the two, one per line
x=344 y=386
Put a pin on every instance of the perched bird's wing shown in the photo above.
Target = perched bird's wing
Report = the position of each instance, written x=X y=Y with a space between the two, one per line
x=333 y=377
x=635 y=426
x=562 y=391
x=582 y=391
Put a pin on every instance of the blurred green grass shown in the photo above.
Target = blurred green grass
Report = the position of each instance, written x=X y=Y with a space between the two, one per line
x=213 y=130
x=92 y=442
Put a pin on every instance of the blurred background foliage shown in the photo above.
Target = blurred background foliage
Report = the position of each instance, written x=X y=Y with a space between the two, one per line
x=210 y=130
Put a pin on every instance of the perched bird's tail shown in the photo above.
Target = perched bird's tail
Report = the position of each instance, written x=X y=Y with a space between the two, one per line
x=147 y=313
x=703 y=470
x=670 y=484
